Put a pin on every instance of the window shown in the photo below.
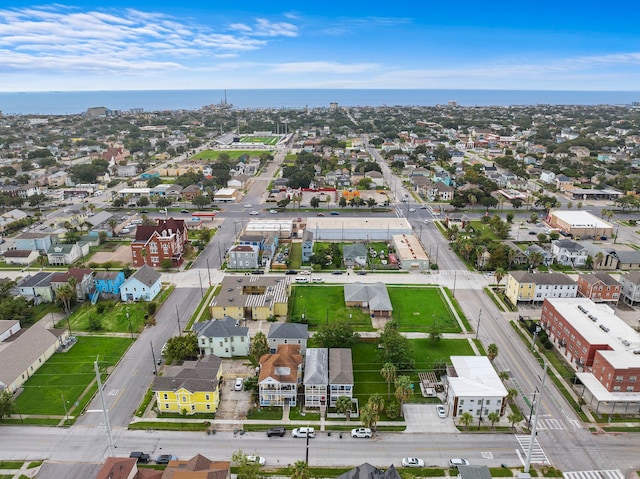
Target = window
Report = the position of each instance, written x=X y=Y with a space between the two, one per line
x=618 y=379
x=153 y=248
x=166 y=396
x=208 y=407
x=206 y=397
x=461 y=402
x=629 y=389
x=632 y=379
x=166 y=406
x=616 y=388
x=184 y=398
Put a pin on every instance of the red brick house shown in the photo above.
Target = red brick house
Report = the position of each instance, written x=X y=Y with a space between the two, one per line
x=155 y=243
x=115 y=154
x=599 y=287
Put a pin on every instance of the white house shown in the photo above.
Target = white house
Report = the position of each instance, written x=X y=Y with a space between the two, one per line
x=65 y=254
x=243 y=256
x=569 y=253
x=548 y=177
x=473 y=386
x=143 y=285
x=223 y=337
x=8 y=327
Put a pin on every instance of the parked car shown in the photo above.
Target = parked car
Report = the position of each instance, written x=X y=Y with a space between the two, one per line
x=320 y=214
x=291 y=271
x=361 y=272
x=254 y=213
x=142 y=457
x=165 y=458
x=302 y=279
x=454 y=463
x=442 y=412
x=184 y=211
x=248 y=205
x=257 y=459
x=423 y=207
x=337 y=272
x=238 y=386
x=412 y=462
x=364 y=432
x=276 y=431
x=411 y=210
x=257 y=271
x=334 y=213
x=273 y=212
x=303 y=432
x=318 y=280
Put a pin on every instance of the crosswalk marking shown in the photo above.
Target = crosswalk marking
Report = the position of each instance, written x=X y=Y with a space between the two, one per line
x=552 y=424
x=537 y=453
x=609 y=474
x=486 y=455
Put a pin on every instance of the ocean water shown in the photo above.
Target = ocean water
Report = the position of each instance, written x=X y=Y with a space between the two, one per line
x=63 y=103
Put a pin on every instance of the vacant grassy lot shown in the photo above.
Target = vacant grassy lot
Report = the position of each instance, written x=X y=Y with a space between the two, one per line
x=233 y=154
x=367 y=366
x=418 y=308
x=319 y=302
x=113 y=317
x=265 y=140
x=69 y=374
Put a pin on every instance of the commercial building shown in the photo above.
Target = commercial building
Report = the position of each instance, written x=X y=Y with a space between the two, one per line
x=580 y=224
x=410 y=253
x=599 y=345
x=339 y=228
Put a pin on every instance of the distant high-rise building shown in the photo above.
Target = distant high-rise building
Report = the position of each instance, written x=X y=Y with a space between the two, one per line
x=97 y=111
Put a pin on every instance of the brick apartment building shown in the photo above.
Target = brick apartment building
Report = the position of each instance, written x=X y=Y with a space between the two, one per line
x=155 y=243
x=599 y=287
x=599 y=345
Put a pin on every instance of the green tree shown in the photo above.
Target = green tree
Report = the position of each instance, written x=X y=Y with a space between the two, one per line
x=180 y=348
x=466 y=419
x=300 y=470
x=368 y=418
x=163 y=202
x=514 y=417
x=511 y=394
x=389 y=373
x=112 y=224
x=7 y=406
x=403 y=390
x=371 y=202
x=394 y=347
x=493 y=417
x=246 y=469
x=374 y=406
x=492 y=351
x=336 y=335
x=143 y=201
x=342 y=202
x=259 y=346
x=343 y=405
x=65 y=295
x=201 y=201
x=314 y=202
x=498 y=275
x=95 y=323
x=166 y=264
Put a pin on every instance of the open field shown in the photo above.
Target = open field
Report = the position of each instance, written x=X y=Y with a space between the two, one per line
x=113 y=318
x=420 y=308
x=265 y=140
x=320 y=304
x=66 y=375
x=233 y=154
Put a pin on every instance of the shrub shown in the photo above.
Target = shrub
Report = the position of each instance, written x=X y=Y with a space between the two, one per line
x=100 y=307
x=152 y=307
x=393 y=409
x=548 y=344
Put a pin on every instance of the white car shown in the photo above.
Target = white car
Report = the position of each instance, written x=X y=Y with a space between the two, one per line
x=412 y=462
x=254 y=213
x=318 y=280
x=426 y=222
x=273 y=212
x=442 y=412
x=411 y=210
x=239 y=384
x=257 y=459
x=454 y=463
x=248 y=205
x=303 y=432
x=361 y=432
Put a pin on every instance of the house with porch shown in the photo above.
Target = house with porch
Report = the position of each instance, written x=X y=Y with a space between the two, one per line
x=279 y=377
x=316 y=377
x=371 y=297
x=143 y=285
x=224 y=338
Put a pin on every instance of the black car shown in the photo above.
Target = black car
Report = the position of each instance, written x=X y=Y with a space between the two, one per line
x=144 y=212
x=257 y=271
x=361 y=272
x=337 y=272
x=165 y=458
x=291 y=271
x=142 y=457
x=184 y=211
x=276 y=431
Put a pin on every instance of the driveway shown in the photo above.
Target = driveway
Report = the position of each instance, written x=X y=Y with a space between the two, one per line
x=234 y=405
x=423 y=418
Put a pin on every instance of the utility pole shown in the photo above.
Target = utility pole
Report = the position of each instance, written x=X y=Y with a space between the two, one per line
x=527 y=463
x=178 y=318
x=209 y=270
x=478 y=327
x=104 y=409
x=155 y=369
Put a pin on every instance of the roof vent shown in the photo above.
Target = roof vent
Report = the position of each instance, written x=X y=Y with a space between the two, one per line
x=626 y=343
x=231 y=300
x=604 y=328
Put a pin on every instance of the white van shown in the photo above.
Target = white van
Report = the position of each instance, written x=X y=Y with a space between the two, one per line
x=318 y=280
x=136 y=222
x=303 y=432
x=302 y=279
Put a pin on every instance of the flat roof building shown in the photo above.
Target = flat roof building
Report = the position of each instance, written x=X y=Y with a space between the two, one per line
x=580 y=223
x=342 y=228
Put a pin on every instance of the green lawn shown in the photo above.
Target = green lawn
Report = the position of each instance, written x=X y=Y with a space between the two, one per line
x=322 y=303
x=114 y=318
x=367 y=366
x=69 y=374
x=417 y=308
x=233 y=154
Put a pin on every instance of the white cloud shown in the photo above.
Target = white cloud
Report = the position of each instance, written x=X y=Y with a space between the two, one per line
x=322 y=67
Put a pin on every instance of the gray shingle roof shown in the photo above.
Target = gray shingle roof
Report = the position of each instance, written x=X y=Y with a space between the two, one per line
x=367 y=471
x=288 y=331
x=340 y=366
x=222 y=328
x=315 y=367
x=146 y=275
x=193 y=376
x=542 y=278
x=375 y=294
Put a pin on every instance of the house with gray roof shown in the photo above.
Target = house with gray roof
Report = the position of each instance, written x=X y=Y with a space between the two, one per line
x=8 y=327
x=569 y=253
x=354 y=254
x=37 y=288
x=630 y=287
x=143 y=285
x=316 y=377
x=307 y=246
x=288 y=333
x=224 y=338
x=371 y=297
x=474 y=472
x=22 y=356
x=66 y=254
x=547 y=256
x=367 y=471
x=34 y=242
x=340 y=374
x=627 y=259
x=23 y=257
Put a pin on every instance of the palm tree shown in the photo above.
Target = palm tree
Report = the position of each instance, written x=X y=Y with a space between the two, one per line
x=535 y=258
x=73 y=283
x=112 y=224
x=42 y=261
x=511 y=393
x=492 y=351
x=466 y=419
x=514 y=417
x=376 y=403
x=493 y=418
x=599 y=258
x=343 y=405
x=503 y=375
x=300 y=470
x=403 y=390
x=368 y=417
x=389 y=372
x=64 y=294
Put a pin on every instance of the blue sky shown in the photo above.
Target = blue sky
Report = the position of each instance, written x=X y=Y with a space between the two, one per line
x=133 y=45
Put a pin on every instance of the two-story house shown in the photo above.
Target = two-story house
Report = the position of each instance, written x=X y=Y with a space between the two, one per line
x=82 y=278
x=569 y=253
x=523 y=287
x=108 y=283
x=630 y=287
x=65 y=254
x=599 y=287
x=341 y=380
x=280 y=375
x=316 y=377
x=288 y=333
x=243 y=256
x=191 y=388
x=143 y=285
x=307 y=246
x=224 y=338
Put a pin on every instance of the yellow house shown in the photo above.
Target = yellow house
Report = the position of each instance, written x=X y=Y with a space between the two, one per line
x=520 y=286
x=193 y=387
x=250 y=297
